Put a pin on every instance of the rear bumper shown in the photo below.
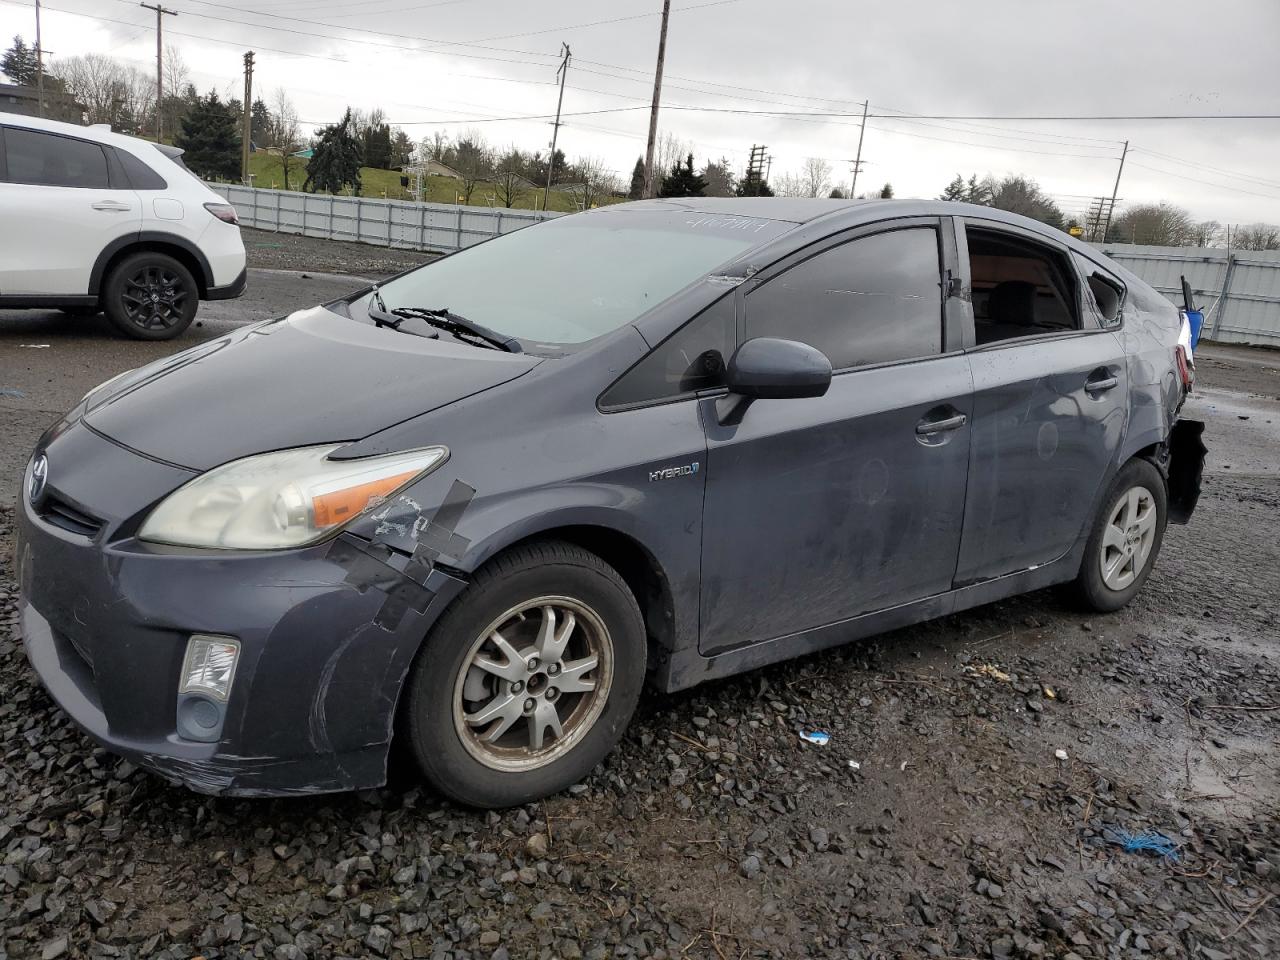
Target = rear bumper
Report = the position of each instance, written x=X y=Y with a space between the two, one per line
x=232 y=290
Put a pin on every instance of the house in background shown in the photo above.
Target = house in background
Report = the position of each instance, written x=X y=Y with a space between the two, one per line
x=15 y=98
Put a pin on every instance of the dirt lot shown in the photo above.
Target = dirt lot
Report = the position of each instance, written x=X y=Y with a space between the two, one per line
x=714 y=831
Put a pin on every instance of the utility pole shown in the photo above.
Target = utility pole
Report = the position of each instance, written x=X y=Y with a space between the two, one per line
x=650 y=180
x=39 y=64
x=247 y=131
x=160 y=13
x=1115 y=190
x=565 y=56
x=857 y=164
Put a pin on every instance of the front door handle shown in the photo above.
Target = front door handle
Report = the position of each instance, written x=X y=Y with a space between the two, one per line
x=112 y=206
x=927 y=427
x=1101 y=385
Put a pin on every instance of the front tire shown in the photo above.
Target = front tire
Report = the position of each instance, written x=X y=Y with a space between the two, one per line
x=150 y=296
x=1125 y=539
x=528 y=680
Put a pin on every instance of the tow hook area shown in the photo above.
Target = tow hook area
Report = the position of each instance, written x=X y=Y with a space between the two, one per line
x=1186 y=468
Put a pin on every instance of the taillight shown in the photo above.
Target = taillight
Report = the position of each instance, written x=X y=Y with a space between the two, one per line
x=1186 y=369
x=223 y=211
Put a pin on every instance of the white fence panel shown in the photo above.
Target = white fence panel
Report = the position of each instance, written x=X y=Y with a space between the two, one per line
x=1239 y=290
x=386 y=223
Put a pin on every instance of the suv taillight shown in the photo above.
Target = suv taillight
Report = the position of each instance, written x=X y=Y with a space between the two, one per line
x=223 y=211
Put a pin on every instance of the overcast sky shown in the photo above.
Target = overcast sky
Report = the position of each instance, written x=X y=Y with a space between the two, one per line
x=463 y=61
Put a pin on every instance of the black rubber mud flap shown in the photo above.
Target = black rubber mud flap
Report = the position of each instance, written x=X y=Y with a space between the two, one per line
x=1186 y=468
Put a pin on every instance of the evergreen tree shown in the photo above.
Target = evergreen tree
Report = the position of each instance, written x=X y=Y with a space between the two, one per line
x=837 y=194
x=19 y=63
x=337 y=158
x=637 y=181
x=683 y=181
x=260 y=124
x=976 y=191
x=401 y=149
x=376 y=141
x=955 y=190
x=210 y=138
x=886 y=192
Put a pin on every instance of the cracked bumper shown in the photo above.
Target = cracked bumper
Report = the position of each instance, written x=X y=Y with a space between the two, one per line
x=327 y=635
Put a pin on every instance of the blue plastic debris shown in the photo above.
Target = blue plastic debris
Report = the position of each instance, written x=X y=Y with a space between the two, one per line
x=1157 y=843
x=818 y=737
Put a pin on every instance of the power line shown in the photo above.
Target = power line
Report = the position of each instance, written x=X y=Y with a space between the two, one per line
x=1210 y=183
x=1248 y=178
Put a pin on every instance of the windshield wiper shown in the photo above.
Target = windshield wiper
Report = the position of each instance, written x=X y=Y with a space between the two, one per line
x=443 y=319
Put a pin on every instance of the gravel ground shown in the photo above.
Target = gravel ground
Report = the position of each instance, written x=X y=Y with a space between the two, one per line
x=283 y=251
x=715 y=832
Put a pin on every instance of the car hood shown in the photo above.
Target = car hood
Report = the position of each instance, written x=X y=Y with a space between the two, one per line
x=310 y=378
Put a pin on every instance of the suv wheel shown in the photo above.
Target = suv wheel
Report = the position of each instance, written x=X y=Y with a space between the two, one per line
x=1126 y=537
x=150 y=296
x=528 y=680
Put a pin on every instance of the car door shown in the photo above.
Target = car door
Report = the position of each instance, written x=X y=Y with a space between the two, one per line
x=1050 y=388
x=61 y=209
x=818 y=510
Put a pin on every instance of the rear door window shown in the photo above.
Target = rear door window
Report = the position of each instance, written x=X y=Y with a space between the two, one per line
x=1021 y=288
x=45 y=159
x=877 y=299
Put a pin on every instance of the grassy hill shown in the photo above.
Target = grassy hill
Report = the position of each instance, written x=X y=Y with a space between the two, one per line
x=385 y=185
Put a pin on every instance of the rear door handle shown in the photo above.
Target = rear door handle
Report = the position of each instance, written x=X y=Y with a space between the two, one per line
x=1099 y=386
x=926 y=427
x=112 y=206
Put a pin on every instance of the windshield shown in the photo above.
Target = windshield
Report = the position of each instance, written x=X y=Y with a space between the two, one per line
x=574 y=278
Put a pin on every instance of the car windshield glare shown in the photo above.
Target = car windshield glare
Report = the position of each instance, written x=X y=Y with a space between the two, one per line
x=575 y=278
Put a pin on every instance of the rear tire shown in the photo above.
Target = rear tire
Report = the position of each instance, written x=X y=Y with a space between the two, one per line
x=150 y=296
x=507 y=702
x=1126 y=538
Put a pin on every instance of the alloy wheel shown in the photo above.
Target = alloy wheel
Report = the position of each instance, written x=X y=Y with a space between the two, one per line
x=533 y=684
x=1128 y=538
x=154 y=298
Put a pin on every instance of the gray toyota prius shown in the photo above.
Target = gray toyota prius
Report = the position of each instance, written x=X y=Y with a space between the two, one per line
x=475 y=508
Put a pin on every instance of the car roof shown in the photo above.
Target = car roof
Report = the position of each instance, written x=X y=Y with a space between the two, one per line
x=848 y=213
x=99 y=132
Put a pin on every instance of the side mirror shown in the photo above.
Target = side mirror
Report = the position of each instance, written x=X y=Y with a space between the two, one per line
x=767 y=368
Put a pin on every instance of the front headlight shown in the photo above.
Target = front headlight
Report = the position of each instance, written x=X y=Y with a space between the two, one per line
x=285 y=499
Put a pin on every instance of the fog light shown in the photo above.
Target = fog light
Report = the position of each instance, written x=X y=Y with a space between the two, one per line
x=210 y=666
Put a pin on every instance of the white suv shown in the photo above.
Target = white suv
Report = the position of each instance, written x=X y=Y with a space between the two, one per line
x=93 y=220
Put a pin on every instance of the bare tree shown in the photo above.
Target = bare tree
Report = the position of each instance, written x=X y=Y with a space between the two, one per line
x=176 y=78
x=288 y=131
x=105 y=87
x=1162 y=224
x=1256 y=236
x=668 y=152
x=509 y=183
x=434 y=147
x=790 y=185
x=473 y=159
x=595 y=182
x=815 y=176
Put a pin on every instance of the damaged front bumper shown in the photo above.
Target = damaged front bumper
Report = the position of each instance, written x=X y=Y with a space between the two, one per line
x=326 y=633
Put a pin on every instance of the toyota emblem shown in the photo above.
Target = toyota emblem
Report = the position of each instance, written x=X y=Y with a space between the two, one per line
x=39 y=477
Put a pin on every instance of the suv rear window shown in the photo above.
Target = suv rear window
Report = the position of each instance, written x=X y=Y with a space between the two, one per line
x=45 y=159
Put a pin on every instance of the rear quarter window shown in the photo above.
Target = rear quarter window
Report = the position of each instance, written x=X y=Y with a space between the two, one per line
x=141 y=176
